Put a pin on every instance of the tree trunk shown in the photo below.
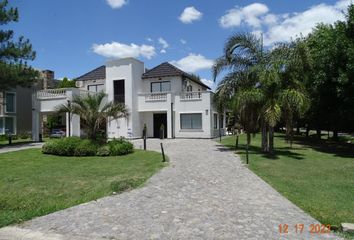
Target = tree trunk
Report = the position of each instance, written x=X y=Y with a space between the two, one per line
x=307 y=131
x=236 y=144
x=335 y=134
x=298 y=129
x=271 y=140
x=318 y=133
x=264 y=138
x=247 y=145
x=291 y=137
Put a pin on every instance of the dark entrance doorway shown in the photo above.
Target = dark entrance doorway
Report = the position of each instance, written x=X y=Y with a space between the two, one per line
x=159 y=119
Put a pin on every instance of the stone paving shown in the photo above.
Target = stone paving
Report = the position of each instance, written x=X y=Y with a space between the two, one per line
x=18 y=147
x=204 y=193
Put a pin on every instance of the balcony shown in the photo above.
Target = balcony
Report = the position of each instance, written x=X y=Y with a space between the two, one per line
x=49 y=99
x=51 y=93
x=156 y=97
x=191 y=96
x=154 y=101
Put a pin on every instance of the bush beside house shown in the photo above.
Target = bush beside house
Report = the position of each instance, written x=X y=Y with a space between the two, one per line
x=74 y=146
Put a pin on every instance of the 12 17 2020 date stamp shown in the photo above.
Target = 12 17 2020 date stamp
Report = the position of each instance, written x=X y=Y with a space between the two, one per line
x=300 y=228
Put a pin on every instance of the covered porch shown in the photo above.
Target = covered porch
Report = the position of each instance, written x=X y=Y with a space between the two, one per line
x=45 y=102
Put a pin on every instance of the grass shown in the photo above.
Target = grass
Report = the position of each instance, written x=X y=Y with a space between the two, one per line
x=318 y=176
x=33 y=184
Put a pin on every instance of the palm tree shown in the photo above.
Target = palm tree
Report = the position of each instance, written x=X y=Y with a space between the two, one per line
x=94 y=111
x=245 y=58
x=293 y=64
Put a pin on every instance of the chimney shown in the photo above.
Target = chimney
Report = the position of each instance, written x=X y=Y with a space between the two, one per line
x=48 y=76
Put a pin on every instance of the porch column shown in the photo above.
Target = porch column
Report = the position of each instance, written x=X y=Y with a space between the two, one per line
x=169 y=125
x=73 y=124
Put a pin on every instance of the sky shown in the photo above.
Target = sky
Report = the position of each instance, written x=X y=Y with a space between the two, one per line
x=72 y=37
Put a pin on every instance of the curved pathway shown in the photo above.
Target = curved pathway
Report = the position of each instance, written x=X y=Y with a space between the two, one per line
x=204 y=193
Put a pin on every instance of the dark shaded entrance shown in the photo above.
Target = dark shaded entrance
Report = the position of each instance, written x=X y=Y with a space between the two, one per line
x=159 y=119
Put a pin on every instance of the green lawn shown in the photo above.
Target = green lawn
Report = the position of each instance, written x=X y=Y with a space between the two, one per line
x=316 y=176
x=33 y=184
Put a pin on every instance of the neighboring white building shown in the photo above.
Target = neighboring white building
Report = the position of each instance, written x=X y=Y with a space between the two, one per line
x=163 y=95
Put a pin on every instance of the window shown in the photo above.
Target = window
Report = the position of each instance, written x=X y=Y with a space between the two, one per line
x=191 y=121
x=215 y=121
x=161 y=86
x=189 y=88
x=95 y=88
x=10 y=103
x=7 y=125
x=119 y=91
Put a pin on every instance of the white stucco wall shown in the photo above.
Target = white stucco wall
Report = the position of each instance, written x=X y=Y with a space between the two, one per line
x=202 y=106
x=130 y=70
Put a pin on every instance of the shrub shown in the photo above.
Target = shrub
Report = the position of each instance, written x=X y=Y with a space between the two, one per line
x=103 y=151
x=85 y=148
x=120 y=147
x=125 y=184
x=24 y=135
x=62 y=147
x=3 y=137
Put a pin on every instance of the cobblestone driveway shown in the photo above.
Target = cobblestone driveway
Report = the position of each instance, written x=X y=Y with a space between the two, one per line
x=205 y=193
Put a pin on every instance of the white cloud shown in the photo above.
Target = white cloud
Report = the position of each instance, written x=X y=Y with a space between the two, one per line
x=121 y=50
x=207 y=82
x=163 y=51
x=163 y=43
x=116 y=3
x=283 y=27
x=183 y=41
x=249 y=14
x=190 y=14
x=149 y=39
x=193 y=63
x=291 y=25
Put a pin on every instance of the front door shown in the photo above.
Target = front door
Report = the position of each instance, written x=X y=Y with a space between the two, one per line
x=159 y=119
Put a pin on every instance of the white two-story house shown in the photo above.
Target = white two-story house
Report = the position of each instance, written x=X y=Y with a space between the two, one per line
x=164 y=95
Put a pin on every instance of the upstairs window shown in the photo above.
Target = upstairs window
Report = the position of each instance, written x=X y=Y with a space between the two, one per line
x=96 y=88
x=119 y=91
x=10 y=102
x=189 y=88
x=161 y=86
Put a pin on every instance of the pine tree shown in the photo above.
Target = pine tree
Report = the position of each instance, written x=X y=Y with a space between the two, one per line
x=14 y=53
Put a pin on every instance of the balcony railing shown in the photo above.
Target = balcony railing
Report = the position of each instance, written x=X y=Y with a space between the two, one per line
x=62 y=93
x=156 y=97
x=191 y=96
x=51 y=93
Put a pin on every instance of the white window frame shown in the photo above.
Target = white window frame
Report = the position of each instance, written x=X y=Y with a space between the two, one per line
x=15 y=102
x=190 y=113
x=95 y=85
x=160 y=82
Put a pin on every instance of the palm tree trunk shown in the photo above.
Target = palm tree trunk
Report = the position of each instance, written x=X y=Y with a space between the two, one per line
x=236 y=144
x=247 y=145
x=271 y=140
x=264 y=138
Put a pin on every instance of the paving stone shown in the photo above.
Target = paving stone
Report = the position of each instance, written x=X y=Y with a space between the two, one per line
x=204 y=193
x=348 y=227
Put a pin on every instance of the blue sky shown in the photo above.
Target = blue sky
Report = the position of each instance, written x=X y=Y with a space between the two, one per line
x=72 y=37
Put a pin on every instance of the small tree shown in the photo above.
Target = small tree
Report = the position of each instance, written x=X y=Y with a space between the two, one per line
x=66 y=83
x=94 y=111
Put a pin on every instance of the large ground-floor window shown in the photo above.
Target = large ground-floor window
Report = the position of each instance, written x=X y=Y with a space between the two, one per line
x=191 y=121
x=7 y=125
